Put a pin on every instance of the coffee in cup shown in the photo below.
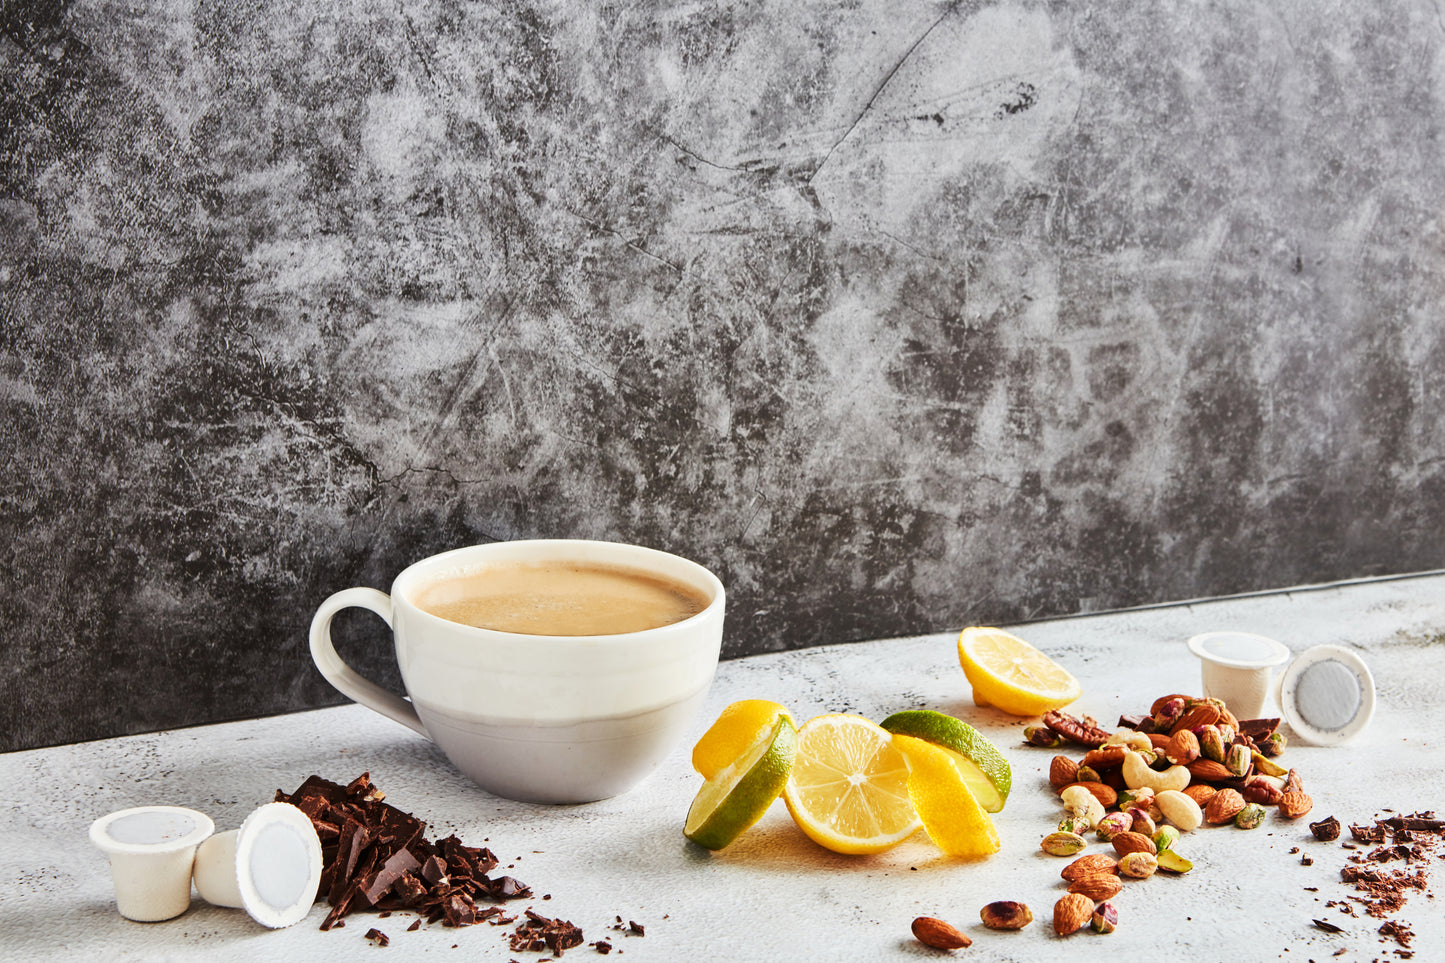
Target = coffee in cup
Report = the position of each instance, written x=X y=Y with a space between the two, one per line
x=554 y=671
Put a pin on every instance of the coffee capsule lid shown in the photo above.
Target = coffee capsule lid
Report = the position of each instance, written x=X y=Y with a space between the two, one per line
x=1238 y=650
x=278 y=864
x=1327 y=695
x=150 y=829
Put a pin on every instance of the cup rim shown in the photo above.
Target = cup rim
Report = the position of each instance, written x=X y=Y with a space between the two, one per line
x=1276 y=651
x=413 y=572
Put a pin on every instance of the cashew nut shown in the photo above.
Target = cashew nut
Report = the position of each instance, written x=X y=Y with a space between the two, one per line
x=1180 y=810
x=1130 y=738
x=1083 y=804
x=1137 y=774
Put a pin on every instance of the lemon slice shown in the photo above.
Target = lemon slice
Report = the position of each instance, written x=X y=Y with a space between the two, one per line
x=737 y=796
x=737 y=729
x=984 y=769
x=953 y=819
x=849 y=787
x=1007 y=672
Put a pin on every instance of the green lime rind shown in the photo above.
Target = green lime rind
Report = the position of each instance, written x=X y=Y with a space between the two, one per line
x=728 y=804
x=983 y=767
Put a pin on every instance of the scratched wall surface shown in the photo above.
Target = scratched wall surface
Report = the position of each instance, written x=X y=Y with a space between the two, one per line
x=900 y=316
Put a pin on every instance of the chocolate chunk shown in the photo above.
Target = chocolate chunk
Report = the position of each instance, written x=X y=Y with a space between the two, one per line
x=1326 y=830
x=378 y=936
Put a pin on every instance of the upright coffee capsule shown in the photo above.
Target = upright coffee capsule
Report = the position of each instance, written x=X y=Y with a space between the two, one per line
x=151 y=851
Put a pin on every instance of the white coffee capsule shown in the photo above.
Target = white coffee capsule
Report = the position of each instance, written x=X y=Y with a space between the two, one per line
x=151 y=851
x=1327 y=695
x=271 y=866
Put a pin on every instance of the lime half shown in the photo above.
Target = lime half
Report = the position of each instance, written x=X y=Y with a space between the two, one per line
x=984 y=769
x=736 y=798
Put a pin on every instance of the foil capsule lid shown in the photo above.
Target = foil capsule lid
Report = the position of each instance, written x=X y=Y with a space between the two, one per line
x=1327 y=695
x=278 y=864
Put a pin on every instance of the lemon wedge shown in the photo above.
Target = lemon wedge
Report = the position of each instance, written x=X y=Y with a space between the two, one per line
x=1007 y=672
x=737 y=729
x=983 y=767
x=737 y=796
x=953 y=819
x=849 y=788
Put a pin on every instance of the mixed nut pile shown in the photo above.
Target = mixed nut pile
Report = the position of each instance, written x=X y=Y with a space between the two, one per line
x=1187 y=763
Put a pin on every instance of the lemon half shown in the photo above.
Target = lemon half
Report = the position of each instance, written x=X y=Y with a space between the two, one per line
x=1007 y=672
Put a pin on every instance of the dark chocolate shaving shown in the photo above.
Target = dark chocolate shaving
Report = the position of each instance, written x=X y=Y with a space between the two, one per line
x=537 y=932
x=375 y=856
x=1329 y=927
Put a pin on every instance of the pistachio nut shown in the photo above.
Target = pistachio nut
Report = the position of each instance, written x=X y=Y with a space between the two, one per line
x=1043 y=737
x=1165 y=837
x=1172 y=861
x=1106 y=918
x=1086 y=774
x=1168 y=713
x=1063 y=844
x=1006 y=914
x=1239 y=759
x=1112 y=825
x=1141 y=822
x=1078 y=825
x=1138 y=865
x=1211 y=742
x=1250 y=816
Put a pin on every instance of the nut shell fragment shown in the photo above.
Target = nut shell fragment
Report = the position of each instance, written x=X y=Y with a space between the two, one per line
x=1293 y=805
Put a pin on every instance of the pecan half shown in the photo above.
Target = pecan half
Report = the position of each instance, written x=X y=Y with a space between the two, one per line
x=1082 y=732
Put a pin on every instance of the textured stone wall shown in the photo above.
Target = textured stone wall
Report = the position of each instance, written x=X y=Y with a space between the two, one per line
x=899 y=316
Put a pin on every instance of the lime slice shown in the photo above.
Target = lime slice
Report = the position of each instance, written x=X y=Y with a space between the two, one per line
x=736 y=798
x=951 y=815
x=984 y=769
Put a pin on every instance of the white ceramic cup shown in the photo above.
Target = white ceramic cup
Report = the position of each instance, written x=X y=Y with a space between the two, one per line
x=556 y=719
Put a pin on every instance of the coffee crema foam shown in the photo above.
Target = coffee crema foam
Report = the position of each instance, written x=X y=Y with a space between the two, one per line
x=560 y=598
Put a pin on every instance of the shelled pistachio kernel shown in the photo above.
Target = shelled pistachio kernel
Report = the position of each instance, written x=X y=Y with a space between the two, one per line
x=1063 y=844
x=1172 y=861
x=1250 y=816
x=1078 y=825
x=1138 y=865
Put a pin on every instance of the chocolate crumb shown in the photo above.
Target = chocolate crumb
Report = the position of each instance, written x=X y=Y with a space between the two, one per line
x=602 y=946
x=415 y=925
x=378 y=937
x=1328 y=927
x=1327 y=830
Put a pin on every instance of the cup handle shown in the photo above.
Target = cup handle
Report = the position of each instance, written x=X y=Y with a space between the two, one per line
x=344 y=677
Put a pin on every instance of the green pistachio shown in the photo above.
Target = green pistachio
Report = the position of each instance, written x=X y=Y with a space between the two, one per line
x=1063 y=844
x=1250 y=816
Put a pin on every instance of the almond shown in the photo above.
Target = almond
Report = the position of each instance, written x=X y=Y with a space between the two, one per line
x=1200 y=792
x=1061 y=772
x=1159 y=702
x=1210 y=771
x=1199 y=714
x=1293 y=805
x=1222 y=807
x=1072 y=913
x=1159 y=740
x=1098 y=886
x=1183 y=748
x=1089 y=865
x=1132 y=842
x=1107 y=795
x=938 y=934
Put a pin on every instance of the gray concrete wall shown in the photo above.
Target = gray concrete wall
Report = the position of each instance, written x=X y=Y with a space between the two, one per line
x=900 y=316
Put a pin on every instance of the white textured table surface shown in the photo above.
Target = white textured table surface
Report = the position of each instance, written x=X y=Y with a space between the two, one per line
x=773 y=895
